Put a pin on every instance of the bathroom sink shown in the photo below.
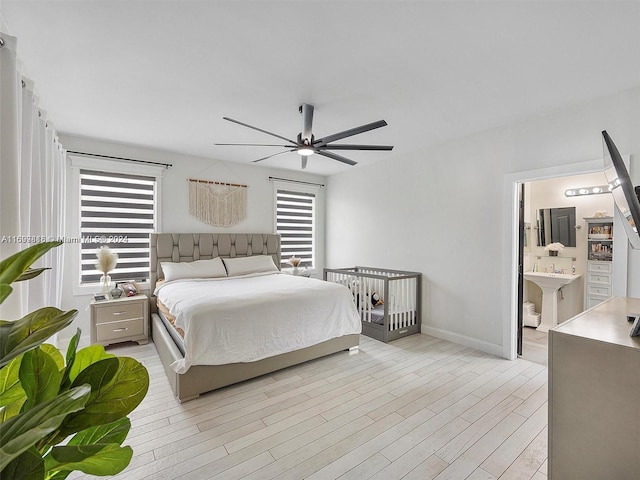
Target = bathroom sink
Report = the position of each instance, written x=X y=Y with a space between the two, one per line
x=549 y=283
x=550 y=280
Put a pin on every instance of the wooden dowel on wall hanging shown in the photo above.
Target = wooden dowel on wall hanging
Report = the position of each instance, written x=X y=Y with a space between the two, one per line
x=218 y=183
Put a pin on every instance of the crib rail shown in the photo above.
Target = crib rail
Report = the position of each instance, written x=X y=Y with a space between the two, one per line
x=399 y=291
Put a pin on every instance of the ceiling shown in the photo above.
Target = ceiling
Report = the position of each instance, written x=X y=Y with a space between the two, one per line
x=163 y=74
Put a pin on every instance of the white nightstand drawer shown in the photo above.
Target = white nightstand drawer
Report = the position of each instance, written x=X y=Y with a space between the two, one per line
x=599 y=290
x=116 y=330
x=604 y=267
x=119 y=311
x=600 y=278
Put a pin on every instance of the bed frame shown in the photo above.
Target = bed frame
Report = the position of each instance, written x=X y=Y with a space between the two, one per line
x=188 y=247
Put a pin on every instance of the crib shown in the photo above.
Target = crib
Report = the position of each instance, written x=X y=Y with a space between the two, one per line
x=388 y=300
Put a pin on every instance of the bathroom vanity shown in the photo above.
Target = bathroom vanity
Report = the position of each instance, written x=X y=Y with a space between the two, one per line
x=594 y=390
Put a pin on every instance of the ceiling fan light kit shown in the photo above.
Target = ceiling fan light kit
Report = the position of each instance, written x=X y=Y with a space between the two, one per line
x=306 y=144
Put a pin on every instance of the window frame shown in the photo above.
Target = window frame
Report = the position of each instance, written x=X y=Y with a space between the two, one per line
x=317 y=218
x=78 y=163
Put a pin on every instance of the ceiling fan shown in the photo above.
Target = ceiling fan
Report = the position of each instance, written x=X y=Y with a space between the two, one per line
x=306 y=144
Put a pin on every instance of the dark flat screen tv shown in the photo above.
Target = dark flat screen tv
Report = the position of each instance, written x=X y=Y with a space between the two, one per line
x=624 y=195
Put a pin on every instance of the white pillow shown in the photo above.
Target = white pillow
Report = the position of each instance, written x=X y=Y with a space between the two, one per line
x=213 y=268
x=245 y=265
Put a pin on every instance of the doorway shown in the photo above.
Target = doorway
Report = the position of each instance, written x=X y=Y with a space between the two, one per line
x=559 y=174
x=550 y=216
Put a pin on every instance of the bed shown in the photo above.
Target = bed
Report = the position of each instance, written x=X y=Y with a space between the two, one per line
x=230 y=352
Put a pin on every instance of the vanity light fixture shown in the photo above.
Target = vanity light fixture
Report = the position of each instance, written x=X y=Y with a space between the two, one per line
x=598 y=189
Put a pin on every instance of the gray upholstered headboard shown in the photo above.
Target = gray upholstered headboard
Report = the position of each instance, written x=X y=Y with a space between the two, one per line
x=187 y=247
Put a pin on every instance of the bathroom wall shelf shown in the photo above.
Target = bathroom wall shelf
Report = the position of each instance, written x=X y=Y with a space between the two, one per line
x=540 y=257
x=599 y=274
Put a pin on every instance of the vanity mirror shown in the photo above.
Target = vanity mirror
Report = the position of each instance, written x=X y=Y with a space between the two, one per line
x=557 y=225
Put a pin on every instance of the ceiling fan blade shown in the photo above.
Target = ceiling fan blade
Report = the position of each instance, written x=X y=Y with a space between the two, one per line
x=355 y=147
x=349 y=133
x=274 y=155
x=304 y=161
x=258 y=129
x=307 y=121
x=339 y=158
x=253 y=145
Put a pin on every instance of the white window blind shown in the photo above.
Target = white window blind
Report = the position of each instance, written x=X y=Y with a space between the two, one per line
x=117 y=210
x=295 y=223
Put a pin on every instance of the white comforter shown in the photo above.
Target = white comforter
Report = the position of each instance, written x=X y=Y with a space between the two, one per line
x=247 y=318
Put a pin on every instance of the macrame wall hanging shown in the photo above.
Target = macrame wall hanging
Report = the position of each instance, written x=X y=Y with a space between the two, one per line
x=217 y=203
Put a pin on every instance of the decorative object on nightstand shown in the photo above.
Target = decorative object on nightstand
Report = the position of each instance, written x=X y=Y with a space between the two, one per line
x=295 y=262
x=107 y=261
x=116 y=292
x=120 y=320
x=130 y=289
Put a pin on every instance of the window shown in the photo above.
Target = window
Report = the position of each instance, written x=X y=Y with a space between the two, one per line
x=295 y=223
x=117 y=210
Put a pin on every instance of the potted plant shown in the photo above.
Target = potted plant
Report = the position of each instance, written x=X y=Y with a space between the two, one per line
x=60 y=414
x=106 y=261
x=294 y=262
x=554 y=249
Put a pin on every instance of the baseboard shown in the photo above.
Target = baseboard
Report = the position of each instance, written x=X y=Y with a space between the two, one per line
x=481 y=345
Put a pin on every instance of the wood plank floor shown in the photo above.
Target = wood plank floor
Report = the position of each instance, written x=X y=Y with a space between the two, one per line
x=535 y=346
x=416 y=408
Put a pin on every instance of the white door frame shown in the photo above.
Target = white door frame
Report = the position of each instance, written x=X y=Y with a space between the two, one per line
x=510 y=259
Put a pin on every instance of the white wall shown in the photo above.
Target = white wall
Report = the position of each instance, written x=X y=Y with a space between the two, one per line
x=447 y=213
x=174 y=212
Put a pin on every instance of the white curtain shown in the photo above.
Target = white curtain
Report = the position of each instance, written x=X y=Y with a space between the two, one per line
x=32 y=184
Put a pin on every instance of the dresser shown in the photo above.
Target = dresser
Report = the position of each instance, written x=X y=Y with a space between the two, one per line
x=594 y=390
x=120 y=320
x=599 y=271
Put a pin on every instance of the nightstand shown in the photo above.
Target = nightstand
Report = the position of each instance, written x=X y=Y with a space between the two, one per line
x=120 y=320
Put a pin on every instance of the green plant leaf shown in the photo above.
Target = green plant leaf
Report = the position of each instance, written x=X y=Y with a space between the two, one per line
x=31 y=273
x=31 y=330
x=12 y=409
x=5 y=291
x=87 y=356
x=13 y=267
x=98 y=459
x=114 y=432
x=110 y=399
x=28 y=466
x=60 y=475
x=10 y=382
x=73 y=346
x=54 y=353
x=39 y=376
x=97 y=376
x=23 y=431
x=71 y=356
x=12 y=395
